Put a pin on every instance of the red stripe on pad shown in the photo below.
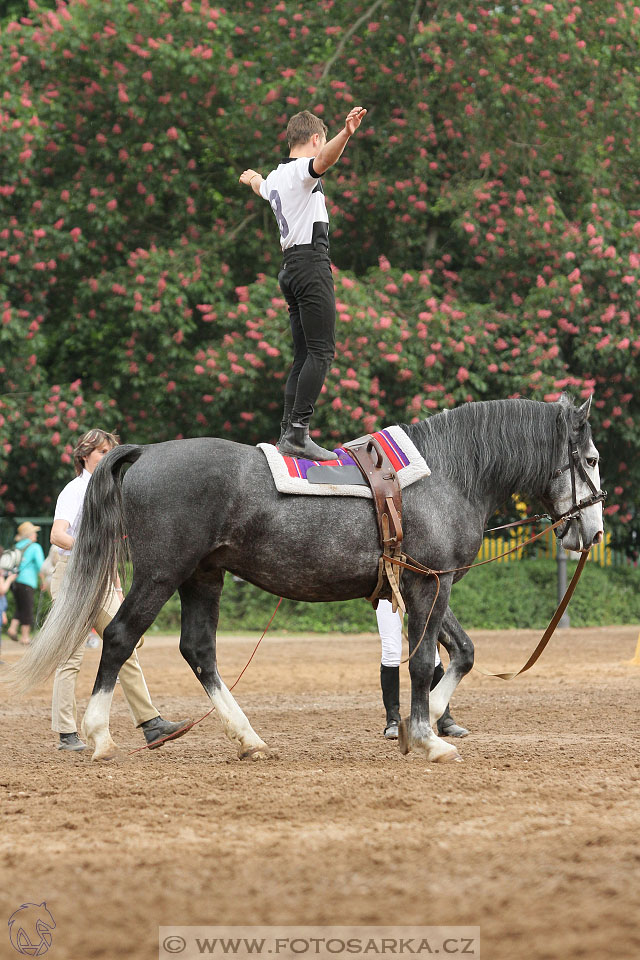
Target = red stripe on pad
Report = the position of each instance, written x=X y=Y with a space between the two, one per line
x=394 y=459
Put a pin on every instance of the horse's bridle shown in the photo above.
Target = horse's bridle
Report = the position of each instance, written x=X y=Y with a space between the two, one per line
x=575 y=464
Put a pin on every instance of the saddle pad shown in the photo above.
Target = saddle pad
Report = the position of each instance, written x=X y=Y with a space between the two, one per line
x=290 y=473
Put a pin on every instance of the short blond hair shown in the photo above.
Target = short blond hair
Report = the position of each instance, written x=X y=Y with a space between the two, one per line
x=89 y=442
x=302 y=126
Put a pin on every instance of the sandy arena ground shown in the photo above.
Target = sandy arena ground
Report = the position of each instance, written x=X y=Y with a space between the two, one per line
x=534 y=837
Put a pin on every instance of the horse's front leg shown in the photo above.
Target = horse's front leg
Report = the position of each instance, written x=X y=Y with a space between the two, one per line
x=460 y=649
x=200 y=601
x=416 y=733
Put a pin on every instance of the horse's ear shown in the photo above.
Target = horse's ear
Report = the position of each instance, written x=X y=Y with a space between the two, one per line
x=582 y=414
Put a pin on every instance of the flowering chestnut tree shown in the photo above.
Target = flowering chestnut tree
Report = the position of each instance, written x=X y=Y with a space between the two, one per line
x=485 y=220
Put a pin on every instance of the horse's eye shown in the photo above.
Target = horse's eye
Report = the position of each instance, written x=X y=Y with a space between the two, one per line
x=592 y=462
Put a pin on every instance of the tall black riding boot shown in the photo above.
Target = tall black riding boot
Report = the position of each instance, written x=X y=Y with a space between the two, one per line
x=296 y=442
x=390 y=683
x=447 y=727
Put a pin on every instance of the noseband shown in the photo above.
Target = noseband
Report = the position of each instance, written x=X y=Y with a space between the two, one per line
x=597 y=496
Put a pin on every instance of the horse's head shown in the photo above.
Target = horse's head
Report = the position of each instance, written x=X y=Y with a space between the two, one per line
x=574 y=491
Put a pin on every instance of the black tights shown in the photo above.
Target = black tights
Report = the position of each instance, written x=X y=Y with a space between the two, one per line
x=307 y=284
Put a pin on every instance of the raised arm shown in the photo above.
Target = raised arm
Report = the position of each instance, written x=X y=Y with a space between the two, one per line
x=252 y=179
x=332 y=150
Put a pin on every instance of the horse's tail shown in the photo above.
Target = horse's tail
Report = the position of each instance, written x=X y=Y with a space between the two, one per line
x=92 y=567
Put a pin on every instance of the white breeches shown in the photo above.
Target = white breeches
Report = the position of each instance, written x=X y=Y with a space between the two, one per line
x=390 y=629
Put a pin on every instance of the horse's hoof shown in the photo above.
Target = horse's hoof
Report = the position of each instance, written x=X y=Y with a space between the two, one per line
x=403 y=738
x=256 y=753
x=450 y=756
x=106 y=752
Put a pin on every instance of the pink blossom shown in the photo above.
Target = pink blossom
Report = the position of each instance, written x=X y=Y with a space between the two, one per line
x=462 y=374
x=172 y=133
x=75 y=234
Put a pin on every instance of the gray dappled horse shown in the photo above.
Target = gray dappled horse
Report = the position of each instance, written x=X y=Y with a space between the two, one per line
x=191 y=509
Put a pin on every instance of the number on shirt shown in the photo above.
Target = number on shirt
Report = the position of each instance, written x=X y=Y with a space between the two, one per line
x=276 y=206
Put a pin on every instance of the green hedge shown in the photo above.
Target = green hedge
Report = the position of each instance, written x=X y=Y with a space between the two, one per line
x=496 y=596
x=493 y=597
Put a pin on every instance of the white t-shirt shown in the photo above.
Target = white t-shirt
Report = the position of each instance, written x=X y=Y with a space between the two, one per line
x=69 y=505
x=295 y=193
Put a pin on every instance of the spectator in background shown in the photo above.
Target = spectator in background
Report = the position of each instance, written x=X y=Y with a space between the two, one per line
x=26 y=583
x=6 y=579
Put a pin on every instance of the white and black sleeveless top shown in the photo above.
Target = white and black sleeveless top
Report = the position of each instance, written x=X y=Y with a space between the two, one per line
x=295 y=193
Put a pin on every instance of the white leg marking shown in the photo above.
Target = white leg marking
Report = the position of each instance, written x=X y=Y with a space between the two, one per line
x=95 y=726
x=440 y=695
x=236 y=726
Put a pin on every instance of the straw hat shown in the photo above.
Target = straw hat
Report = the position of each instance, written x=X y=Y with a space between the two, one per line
x=25 y=530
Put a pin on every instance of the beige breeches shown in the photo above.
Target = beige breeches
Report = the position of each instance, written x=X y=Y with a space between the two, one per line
x=134 y=687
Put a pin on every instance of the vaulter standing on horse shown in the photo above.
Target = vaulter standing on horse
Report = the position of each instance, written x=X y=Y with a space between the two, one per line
x=294 y=190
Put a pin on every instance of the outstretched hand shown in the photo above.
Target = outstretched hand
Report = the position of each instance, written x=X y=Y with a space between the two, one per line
x=354 y=119
x=247 y=176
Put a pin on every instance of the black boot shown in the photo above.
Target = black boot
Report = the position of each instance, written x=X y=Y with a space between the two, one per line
x=286 y=420
x=296 y=442
x=390 y=683
x=447 y=727
x=158 y=731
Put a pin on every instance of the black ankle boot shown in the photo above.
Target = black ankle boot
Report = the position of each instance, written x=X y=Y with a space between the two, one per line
x=286 y=420
x=390 y=683
x=296 y=442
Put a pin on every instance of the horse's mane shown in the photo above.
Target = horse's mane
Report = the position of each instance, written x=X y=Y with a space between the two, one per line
x=503 y=446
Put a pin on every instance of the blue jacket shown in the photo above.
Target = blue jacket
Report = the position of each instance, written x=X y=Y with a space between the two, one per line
x=32 y=560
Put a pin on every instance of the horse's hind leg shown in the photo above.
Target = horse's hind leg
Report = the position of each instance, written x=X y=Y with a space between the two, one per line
x=200 y=600
x=460 y=649
x=120 y=637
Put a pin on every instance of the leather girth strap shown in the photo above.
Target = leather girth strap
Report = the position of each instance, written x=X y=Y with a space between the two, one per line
x=379 y=473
